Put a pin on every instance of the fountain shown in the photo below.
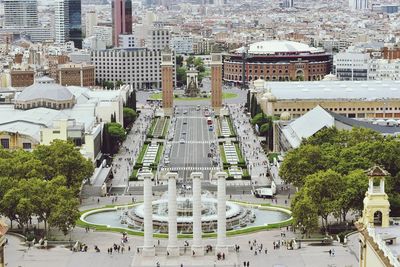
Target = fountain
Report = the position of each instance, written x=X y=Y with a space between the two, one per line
x=236 y=216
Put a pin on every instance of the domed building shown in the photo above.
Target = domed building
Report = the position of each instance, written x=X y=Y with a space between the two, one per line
x=277 y=60
x=45 y=93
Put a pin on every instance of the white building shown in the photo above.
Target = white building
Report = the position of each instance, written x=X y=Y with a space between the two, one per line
x=139 y=67
x=158 y=38
x=90 y=22
x=93 y=43
x=103 y=33
x=61 y=21
x=20 y=13
x=126 y=41
x=358 y=4
x=382 y=69
x=46 y=121
x=351 y=66
x=182 y=44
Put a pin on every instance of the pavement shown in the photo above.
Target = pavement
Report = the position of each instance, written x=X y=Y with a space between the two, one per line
x=308 y=255
x=124 y=160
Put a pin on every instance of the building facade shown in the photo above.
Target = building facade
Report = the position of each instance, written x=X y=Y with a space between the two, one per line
x=158 y=38
x=139 y=67
x=361 y=99
x=75 y=22
x=61 y=21
x=22 y=78
x=68 y=22
x=121 y=19
x=126 y=41
x=20 y=13
x=182 y=44
x=277 y=61
x=358 y=4
x=76 y=74
x=351 y=66
x=90 y=22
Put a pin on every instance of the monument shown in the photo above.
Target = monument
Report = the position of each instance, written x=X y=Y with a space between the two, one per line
x=167 y=84
x=216 y=82
x=192 y=83
x=170 y=255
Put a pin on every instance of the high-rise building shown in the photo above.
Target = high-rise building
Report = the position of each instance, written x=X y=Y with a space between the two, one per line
x=75 y=22
x=288 y=3
x=358 y=4
x=91 y=21
x=121 y=18
x=61 y=21
x=68 y=22
x=20 y=13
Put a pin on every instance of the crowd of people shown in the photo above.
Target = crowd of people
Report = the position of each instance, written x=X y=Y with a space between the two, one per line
x=251 y=147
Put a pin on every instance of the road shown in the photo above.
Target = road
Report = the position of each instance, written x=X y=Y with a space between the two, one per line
x=191 y=142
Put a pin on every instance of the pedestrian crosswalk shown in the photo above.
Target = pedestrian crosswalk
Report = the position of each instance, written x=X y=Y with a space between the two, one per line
x=189 y=169
x=192 y=142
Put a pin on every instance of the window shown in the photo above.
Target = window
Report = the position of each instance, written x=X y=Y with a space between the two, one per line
x=26 y=145
x=5 y=143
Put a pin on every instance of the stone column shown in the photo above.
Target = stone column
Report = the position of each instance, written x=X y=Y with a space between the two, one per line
x=221 y=198
x=172 y=248
x=148 y=246
x=197 y=247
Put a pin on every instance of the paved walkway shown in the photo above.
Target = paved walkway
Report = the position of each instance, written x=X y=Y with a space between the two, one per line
x=255 y=157
x=307 y=255
x=125 y=159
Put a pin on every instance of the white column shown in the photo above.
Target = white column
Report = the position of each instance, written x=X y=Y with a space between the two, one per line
x=172 y=248
x=148 y=246
x=197 y=247
x=221 y=198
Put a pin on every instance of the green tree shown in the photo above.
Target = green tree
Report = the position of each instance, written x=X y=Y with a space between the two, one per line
x=129 y=117
x=352 y=195
x=324 y=188
x=190 y=61
x=65 y=214
x=259 y=119
x=304 y=212
x=181 y=76
x=63 y=159
x=119 y=83
x=179 y=61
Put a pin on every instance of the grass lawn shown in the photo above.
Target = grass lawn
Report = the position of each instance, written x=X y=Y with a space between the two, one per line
x=165 y=129
x=159 y=153
x=239 y=153
x=153 y=125
x=231 y=126
x=222 y=153
x=142 y=152
x=158 y=96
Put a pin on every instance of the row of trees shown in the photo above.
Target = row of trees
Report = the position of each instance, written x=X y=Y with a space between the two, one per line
x=44 y=183
x=329 y=170
x=197 y=62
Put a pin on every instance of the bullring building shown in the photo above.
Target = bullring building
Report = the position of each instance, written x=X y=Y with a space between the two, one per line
x=277 y=60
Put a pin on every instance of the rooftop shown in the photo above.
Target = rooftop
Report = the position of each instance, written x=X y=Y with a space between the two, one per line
x=277 y=46
x=365 y=90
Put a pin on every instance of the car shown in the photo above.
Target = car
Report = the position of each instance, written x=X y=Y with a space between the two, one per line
x=185 y=111
x=183 y=132
x=182 y=141
x=185 y=122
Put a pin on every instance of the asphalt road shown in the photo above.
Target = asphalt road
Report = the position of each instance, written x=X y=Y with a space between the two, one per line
x=191 y=143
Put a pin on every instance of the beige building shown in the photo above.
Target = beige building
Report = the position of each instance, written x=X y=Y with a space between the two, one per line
x=76 y=74
x=3 y=230
x=360 y=99
x=377 y=231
